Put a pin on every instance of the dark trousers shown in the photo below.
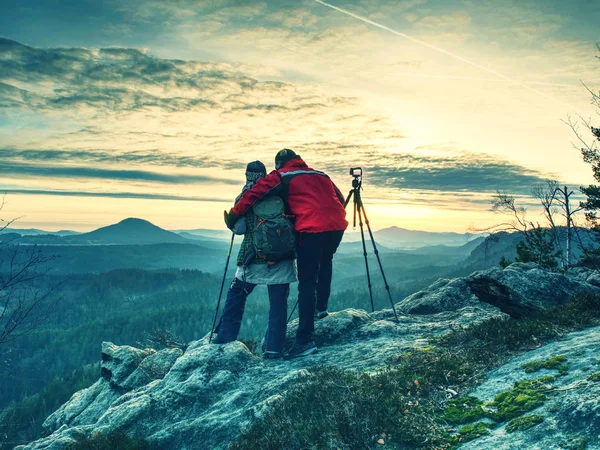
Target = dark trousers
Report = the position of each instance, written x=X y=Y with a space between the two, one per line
x=315 y=255
x=233 y=311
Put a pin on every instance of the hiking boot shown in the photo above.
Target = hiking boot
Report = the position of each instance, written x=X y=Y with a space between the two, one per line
x=272 y=355
x=299 y=350
x=321 y=314
x=219 y=340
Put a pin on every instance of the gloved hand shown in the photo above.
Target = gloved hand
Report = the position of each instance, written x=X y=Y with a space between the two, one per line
x=230 y=218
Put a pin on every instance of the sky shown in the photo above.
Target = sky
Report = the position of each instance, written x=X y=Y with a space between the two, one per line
x=152 y=109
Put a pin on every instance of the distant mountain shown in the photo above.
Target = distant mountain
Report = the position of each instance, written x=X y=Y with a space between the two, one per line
x=356 y=248
x=193 y=237
x=401 y=238
x=393 y=238
x=8 y=237
x=203 y=233
x=449 y=250
x=38 y=232
x=129 y=231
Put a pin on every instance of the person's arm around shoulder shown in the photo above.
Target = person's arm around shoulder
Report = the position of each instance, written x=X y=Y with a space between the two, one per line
x=263 y=187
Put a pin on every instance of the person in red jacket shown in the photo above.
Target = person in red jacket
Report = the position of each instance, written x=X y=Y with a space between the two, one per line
x=320 y=221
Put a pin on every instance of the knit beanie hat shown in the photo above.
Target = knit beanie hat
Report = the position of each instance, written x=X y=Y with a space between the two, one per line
x=284 y=156
x=255 y=171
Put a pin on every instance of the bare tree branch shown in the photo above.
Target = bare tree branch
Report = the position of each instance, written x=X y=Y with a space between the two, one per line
x=26 y=301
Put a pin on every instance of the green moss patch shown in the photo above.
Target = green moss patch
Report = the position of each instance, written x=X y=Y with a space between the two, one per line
x=463 y=410
x=524 y=423
x=556 y=363
x=525 y=396
x=471 y=432
x=594 y=377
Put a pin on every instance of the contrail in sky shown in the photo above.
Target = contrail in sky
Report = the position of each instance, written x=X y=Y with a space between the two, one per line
x=496 y=80
x=446 y=52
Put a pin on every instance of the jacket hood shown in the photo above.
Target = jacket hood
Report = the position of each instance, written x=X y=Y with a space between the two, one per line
x=296 y=163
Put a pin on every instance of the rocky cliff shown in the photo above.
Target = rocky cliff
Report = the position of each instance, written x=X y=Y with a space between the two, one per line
x=201 y=398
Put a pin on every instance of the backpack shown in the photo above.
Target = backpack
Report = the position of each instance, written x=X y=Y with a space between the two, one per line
x=274 y=236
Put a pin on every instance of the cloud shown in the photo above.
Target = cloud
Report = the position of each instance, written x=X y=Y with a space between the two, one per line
x=111 y=157
x=76 y=81
x=54 y=171
x=131 y=195
x=114 y=79
x=443 y=171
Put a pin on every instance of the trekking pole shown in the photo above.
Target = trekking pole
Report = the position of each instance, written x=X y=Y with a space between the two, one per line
x=293 y=310
x=212 y=330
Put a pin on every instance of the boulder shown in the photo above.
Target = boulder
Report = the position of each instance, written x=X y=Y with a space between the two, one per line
x=519 y=290
x=84 y=407
x=443 y=295
x=152 y=367
x=124 y=368
x=535 y=286
x=120 y=362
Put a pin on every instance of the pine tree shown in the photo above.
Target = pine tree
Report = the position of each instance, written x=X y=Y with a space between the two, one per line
x=591 y=155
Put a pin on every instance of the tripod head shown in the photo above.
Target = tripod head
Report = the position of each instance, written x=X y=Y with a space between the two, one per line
x=356 y=172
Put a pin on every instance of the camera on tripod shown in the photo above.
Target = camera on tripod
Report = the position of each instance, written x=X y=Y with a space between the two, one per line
x=356 y=172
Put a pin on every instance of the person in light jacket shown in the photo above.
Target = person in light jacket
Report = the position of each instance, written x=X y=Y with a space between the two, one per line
x=252 y=271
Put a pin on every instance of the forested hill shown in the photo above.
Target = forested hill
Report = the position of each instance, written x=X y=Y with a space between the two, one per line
x=503 y=244
x=122 y=305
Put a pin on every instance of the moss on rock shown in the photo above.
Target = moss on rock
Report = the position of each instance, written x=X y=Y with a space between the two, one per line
x=555 y=363
x=524 y=423
x=594 y=377
x=525 y=396
x=463 y=410
x=471 y=432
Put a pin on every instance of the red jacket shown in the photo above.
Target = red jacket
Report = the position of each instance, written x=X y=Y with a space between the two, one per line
x=310 y=196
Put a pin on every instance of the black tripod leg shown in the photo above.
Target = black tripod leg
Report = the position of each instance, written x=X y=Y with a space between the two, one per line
x=362 y=235
x=361 y=207
x=348 y=198
x=354 y=217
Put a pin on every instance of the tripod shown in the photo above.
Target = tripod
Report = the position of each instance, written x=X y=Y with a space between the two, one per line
x=359 y=209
